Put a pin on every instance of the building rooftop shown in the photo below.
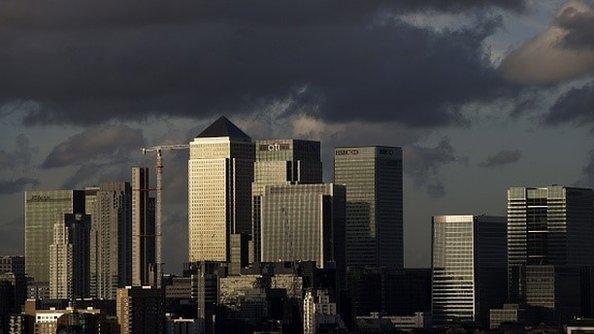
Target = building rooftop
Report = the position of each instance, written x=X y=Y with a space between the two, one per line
x=223 y=127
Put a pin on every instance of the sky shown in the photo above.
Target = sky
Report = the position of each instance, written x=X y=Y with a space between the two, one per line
x=481 y=94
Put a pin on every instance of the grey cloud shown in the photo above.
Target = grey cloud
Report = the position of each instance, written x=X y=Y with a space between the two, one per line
x=16 y=185
x=12 y=236
x=96 y=144
x=344 y=59
x=575 y=107
x=563 y=52
x=587 y=179
x=423 y=165
x=501 y=158
x=20 y=157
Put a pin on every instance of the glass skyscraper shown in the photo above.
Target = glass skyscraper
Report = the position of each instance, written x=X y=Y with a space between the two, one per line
x=373 y=179
x=303 y=222
x=42 y=210
x=220 y=175
x=281 y=161
x=548 y=226
x=468 y=262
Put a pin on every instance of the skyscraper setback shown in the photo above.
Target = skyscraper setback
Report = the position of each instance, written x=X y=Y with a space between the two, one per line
x=220 y=175
x=42 y=210
x=374 y=228
x=143 y=229
x=278 y=162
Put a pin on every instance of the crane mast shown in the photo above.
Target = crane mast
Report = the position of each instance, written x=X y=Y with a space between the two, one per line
x=158 y=202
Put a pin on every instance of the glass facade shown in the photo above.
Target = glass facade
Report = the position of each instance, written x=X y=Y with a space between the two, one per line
x=281 y=161
x=373 y=178
x=220 y=172
x=303 y=222
x=42 y=210
x=143 y=227
x=547 y=226
x=468 y=261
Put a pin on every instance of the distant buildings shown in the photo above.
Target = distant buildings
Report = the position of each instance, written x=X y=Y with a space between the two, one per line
x=140 y=309
x=144 y=269
x=69 y=258
x=468 y=261
x=378 y=323
x=111 y=227
x=373 y=179
x=42 y=210
x=220 y=175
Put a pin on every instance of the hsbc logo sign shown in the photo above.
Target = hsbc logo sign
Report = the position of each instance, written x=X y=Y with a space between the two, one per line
x=347 y=152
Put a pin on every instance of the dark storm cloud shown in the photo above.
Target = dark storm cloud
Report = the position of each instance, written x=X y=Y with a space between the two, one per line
x=423 y=165
x=587 y=179
x=17 y=185
x=579 y=26
x=20 y=157
x=98 y=60
x=575 y=107
x=96 y=144
x=501 y=158
x=12 y=236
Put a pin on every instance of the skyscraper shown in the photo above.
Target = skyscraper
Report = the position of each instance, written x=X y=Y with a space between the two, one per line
x=111 y=228
x=69 y=257
x=42 y=210
x=468 y=261
x=373 y=178
x=549 y=230
x=304 y=222
x=281 y=161
x=220 y=175
x=143 y=229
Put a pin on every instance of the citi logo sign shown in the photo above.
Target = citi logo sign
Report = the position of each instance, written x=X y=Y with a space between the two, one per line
x=347 y=152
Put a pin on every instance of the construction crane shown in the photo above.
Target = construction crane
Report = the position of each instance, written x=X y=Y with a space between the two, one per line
x=159 y=173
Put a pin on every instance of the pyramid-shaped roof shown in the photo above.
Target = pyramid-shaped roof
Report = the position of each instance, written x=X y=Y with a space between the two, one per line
x=223 y=127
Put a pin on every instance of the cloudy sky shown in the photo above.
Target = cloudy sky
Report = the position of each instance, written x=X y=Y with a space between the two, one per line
x=481 y=94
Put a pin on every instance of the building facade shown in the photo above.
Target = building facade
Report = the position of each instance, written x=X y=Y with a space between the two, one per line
x=220 y=175
x=281 y=161
x=140 y=309
x=143 y=229
x=373 y=178
x=303 y=222
x=110 y=245
x=42 y=210
x=468 y=262
x=69 y=258
x=547 y=226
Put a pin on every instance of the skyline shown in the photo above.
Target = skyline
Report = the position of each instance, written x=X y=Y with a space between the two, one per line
x=459 y=161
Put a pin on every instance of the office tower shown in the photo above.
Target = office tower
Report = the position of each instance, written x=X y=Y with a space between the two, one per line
x=220 y=174
x=12 y=269
x=239 y=253
x=304 y=222
x=69 y=257
x=7 y=304
x=143 y=229
x=90 y=198
x=547 y=226
x=469 y=267
x=140 y=309
x=373 y=178
x=111 y=228
x=42 y=210
x=281 y=161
